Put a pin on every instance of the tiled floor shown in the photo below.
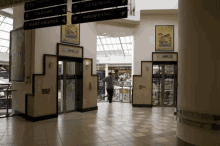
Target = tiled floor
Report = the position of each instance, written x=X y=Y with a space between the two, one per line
x=115 y=124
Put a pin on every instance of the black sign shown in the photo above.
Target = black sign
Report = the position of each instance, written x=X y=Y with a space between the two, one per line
x=45 y=12
x=97 y=4
x=42 y=3
x=45 y=22
x=100 y=15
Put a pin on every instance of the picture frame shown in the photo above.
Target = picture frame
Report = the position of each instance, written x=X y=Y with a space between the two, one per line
x=17 y=55
x=164 y=38
x=70 y=33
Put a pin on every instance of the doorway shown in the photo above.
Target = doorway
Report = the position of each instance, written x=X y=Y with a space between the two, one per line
x=70 y=84
x=164 y=88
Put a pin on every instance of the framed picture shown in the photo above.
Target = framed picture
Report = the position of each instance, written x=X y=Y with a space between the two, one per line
x=17 y=55
x=164 y=37
x=70 y=33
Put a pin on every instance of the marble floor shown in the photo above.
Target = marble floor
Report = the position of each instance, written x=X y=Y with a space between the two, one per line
x=113 y=124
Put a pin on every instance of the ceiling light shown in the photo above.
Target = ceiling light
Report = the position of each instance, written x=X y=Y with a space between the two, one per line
x=104 y=33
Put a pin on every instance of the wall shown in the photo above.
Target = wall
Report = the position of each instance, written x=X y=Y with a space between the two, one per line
x=143 y=95
x=89 y=96
x=144 y=38
x=88 y=39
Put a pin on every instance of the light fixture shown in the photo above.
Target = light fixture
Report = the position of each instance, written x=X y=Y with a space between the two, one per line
x=104 y=33
x=87 y=62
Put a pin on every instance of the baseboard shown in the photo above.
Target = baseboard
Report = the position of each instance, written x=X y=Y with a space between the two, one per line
x=35 y=119
x=142 y=105
x=180 y=142
x=88 y=109
x=18 y=113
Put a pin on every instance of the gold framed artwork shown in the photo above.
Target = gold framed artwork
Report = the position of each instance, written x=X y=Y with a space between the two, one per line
x=164 y=37
x=70 y=33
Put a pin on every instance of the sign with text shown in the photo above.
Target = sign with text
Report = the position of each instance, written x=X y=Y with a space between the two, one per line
x=45 y=12
x=45 y=22
x=42 y=3
x=100 y=15
x=97 y=4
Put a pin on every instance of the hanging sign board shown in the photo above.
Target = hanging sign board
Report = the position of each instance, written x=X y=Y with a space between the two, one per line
x=100 y=15
x=97 y=4
x=45 y=22
x=45 y=12
x=42 y=3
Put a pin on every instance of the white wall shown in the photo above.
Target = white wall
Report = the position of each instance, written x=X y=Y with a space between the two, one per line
x=46 y=40
x=144 y=38
x=115 y=59
x=155 y=4
x=88 y=39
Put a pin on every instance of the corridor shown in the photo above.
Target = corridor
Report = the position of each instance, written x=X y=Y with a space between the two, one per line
x=113 y=124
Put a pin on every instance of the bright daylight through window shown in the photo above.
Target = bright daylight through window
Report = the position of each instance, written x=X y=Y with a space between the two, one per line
x=114 y=46
x=6 y=25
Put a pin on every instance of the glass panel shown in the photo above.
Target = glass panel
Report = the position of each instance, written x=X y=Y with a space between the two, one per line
x=4 y=35
x=106 y=47
x=98 y=42
x=113 y=40
x=122 y=39
x=103 y=41
x=128 y=39
x=70 y=68
x=115 y=47
x=117 y=40
x=108 y=40
x=70 y=94
x=124 y=46
x=60 y=87
x=110 y=47
x=157 y=82
x=169 y=85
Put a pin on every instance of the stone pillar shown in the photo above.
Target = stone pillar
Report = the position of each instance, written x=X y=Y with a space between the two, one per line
x=106 y=74
x=199 y=72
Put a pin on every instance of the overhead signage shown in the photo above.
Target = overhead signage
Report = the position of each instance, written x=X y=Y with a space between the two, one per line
x=100 y=15
x=45 y=12
x=45 y=22
x=97 y=4
x=42 y=3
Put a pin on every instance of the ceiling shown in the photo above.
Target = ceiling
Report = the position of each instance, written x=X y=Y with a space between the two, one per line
x=8 y=10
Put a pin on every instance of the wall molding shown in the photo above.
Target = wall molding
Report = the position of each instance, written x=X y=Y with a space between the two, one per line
x=88 y=109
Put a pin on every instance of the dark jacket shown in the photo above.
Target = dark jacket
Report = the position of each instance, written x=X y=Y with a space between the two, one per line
x=110 y=81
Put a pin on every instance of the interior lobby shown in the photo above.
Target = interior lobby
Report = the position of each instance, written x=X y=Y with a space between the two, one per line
x=164 y=58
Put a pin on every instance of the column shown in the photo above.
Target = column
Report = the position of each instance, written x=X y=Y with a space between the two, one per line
x=106 y=74
x=199 y=73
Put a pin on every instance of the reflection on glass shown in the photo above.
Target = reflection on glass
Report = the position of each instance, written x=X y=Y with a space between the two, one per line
x=70 y=68
x=157 y=82
x=60 y=87
x=70 y=94
x=169 y=85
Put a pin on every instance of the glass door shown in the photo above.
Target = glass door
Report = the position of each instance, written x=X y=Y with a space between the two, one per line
x=168 y=85
x=66 y=86
x=164 y=84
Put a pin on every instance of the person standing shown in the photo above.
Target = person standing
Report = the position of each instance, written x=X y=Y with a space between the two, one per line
x=109 y=79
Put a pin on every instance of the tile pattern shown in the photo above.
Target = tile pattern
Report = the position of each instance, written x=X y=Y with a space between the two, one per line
x=113 y=124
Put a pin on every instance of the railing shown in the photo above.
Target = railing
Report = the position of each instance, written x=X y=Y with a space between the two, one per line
x=5 y=100
x=122 y=92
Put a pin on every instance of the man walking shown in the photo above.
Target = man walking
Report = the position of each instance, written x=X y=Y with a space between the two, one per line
x=109 y=79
